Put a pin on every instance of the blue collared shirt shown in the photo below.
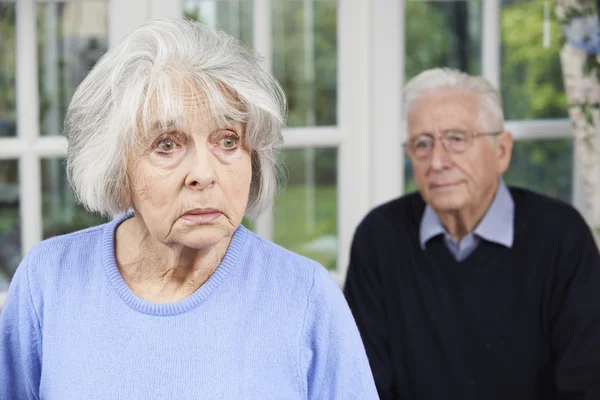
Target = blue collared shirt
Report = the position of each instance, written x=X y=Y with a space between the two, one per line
x=496 y=226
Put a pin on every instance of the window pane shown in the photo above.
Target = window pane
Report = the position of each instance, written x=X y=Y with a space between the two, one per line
x=231 y=16
x=442 y=34
x=545 y=166
x=71 y=38
x=409 y=182
x=8 y=118
x=304 y=59
x=531 y=75
x=305 y=213
x=61 y=212
x=10 y=234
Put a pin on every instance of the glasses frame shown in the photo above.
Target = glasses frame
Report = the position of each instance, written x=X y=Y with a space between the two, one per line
x=469 y=134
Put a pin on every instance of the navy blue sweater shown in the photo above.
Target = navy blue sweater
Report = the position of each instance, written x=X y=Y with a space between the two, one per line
x=506 y=323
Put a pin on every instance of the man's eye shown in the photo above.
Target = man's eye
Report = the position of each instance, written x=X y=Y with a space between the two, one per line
x=456 y=137
x=422 y=144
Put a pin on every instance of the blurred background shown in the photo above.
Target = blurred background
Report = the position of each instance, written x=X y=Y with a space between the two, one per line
x=341 y=63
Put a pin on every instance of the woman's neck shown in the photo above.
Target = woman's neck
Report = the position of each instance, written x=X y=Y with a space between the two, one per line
x=159 y=272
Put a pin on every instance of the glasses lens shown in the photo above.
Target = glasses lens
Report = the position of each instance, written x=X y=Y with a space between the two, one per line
x=422 y=145
x=457 y=141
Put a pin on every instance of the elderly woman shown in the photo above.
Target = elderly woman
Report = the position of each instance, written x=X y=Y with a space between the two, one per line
x=174 y=133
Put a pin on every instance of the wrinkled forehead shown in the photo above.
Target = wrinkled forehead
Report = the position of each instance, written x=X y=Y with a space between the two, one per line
x=434 y=112
x=182 y=105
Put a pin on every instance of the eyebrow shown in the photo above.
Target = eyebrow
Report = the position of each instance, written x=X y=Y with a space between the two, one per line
x=443 y=131
x=164 y=124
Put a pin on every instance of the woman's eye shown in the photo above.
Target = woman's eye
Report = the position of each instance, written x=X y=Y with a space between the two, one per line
x=229 y=143
x=165 y=145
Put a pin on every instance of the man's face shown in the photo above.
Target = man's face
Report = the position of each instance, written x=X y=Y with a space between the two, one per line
x=454 y=182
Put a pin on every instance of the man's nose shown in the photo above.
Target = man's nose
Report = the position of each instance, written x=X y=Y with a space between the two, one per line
x=440 y=158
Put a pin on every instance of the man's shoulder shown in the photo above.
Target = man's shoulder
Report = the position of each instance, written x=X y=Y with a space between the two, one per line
x=401 y=213
x=545 y=211
x=283 y=264
x=400 y=207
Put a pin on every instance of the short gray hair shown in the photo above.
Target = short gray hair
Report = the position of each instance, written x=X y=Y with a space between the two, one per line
x=491 y=114
x=153 y=62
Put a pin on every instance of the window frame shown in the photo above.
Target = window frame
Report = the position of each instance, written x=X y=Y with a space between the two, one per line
x=369 y=129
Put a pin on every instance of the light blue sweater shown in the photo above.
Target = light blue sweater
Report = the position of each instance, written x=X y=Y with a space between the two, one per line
x=268 y=324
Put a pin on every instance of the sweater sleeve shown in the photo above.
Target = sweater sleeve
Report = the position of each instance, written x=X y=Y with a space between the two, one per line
x=20 y=351
x=575 y=315
x=332 y=356
x=364 y=293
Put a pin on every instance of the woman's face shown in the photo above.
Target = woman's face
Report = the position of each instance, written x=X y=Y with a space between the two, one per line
x=190 y=182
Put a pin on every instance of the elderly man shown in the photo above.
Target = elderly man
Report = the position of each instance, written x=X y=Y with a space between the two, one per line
x=470 y=289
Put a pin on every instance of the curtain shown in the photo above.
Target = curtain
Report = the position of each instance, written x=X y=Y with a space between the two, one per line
x=580 y=59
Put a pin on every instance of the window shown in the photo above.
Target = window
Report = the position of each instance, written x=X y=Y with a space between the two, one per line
x=305 y=213
x=301 y=51
x=342 y=65
x=442 y=34
x=532 y=89
x=10 y=254
x=59 y=41
x=530 y=78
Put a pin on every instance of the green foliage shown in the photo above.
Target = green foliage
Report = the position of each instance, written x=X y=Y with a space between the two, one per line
x=532 y=82
x=323 y=159
x=310 y=102
x=292 y=230
x=532 y=88
x=432 y=37
x=7 y=71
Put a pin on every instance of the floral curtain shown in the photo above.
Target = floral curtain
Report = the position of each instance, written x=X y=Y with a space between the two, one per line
x=580 y=59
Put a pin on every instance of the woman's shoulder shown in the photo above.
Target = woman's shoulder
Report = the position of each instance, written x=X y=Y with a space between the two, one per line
x=56 y=255
x=69 y=242
x=278 y=262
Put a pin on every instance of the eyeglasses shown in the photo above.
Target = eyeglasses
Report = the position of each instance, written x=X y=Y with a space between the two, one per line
x=454 y=141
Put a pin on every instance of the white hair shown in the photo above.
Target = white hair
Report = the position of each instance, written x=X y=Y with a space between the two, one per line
x=491 y=115
x=142 y=76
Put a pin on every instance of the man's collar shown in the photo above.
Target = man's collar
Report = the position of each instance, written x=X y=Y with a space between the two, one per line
x=496 y=226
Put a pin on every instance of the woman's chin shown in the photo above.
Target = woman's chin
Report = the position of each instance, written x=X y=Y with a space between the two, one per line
x=203 y=236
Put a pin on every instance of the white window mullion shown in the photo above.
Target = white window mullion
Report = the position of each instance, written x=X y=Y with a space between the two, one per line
x=354 y=117
x=490 y=42
x=51 y=147
x=11 y=148
x=540 y=129
x=30 y=191
x=262 y=43
x=387 y=175
x=317 y=136
x=262 y=32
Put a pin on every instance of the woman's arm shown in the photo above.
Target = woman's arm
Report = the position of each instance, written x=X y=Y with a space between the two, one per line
x=20 y=340
x=332 y=356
